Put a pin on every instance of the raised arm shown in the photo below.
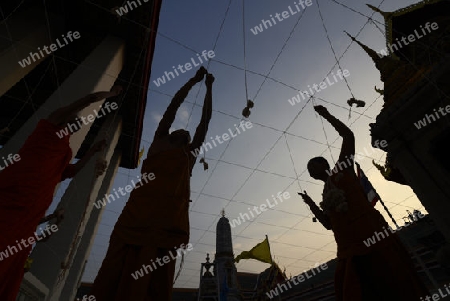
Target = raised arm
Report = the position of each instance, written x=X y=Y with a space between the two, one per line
x=58 y=214
x=318 y=213
x=64 y=113
x=348 y=143
x=72 y=169
x=171 y=111
x=202 y=128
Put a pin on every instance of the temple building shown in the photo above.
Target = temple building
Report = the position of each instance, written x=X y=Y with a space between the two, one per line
x=413 y=120
x=51 y=54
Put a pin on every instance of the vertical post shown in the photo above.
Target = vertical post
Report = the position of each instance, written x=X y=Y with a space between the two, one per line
x=387 y=210
x=270 y=252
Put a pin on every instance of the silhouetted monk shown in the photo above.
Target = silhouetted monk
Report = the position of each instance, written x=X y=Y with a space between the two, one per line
x=380 y=271
x=27 y=187
x=155 y=219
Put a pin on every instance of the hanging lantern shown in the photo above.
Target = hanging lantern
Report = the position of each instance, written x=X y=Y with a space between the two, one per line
x=205 y=165
x=246 y=111
x=359 y=103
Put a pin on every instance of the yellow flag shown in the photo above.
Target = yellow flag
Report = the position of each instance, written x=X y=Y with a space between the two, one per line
x=259 y=252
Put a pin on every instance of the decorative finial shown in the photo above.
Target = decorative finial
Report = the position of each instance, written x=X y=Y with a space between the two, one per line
x=372 y=53
x=222 y=212
x=205 y=164
x=381 y=92
x=383 y=13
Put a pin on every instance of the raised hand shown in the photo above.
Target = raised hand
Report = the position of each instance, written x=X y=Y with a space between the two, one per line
x=209 y=79
x=321 y=110
x=116 y=90
x=305 y=197
x=200 y=74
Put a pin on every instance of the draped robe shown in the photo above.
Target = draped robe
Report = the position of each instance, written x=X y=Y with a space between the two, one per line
x=382 y=271
x=26 y=192
x=155 y=220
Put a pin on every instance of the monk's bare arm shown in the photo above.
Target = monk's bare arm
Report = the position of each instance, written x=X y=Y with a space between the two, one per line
x=171 y=111
x=62 y=114
x=58 y=214
x=202 y=128
x=348 y=142
x=318 y=213
x=72 y=169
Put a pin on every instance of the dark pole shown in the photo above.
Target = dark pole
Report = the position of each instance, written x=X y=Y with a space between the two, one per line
x=387 y=210
x=270 y=252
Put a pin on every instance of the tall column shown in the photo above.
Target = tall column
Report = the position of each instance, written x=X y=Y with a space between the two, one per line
x=78 y=202
x=76 y=270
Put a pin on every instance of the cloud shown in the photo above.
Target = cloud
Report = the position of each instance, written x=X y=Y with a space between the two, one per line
x=156 y=117
x=184 y=115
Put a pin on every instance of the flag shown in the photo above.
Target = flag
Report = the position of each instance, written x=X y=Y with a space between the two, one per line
x=259 y=252
x=372 y=195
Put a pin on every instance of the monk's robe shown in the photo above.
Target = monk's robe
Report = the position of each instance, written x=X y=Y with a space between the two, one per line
x=155 y=220
x=26 y=192
x=383 y=271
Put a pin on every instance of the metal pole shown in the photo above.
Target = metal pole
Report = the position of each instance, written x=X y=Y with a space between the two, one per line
x=270 y=252
x=387 y=210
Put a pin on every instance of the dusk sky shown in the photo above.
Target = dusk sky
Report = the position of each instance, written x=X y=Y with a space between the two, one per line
x=271 y=156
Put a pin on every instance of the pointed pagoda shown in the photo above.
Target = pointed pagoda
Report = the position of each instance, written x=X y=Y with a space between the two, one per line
x=224 y=259
x=222 y=282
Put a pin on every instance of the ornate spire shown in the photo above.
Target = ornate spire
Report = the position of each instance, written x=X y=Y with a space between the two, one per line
x=224 y=244
x=372 y=53
x=385 y=64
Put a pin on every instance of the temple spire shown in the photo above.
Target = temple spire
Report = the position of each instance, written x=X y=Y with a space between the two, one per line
x=385 y=64
x=372 y=53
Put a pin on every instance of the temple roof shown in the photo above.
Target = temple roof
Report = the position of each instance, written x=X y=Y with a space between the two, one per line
x=403 y=15
x=407 y=63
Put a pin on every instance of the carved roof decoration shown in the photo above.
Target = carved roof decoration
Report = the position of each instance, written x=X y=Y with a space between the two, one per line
x=388 y=16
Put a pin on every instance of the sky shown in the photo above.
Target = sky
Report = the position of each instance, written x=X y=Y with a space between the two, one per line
x=271 y=156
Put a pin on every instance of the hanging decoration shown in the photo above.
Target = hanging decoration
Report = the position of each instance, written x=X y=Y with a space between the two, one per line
x=381 y=92
x=246 y=111
x=359 y=103
x=205 y=165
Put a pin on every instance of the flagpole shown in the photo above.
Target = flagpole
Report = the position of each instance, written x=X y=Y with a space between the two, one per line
x=270 y=252
x=387 y=210
x=379 y=198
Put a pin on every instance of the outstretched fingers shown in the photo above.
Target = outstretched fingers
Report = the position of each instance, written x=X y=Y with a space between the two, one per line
x=200 y=74
x=209 y=79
